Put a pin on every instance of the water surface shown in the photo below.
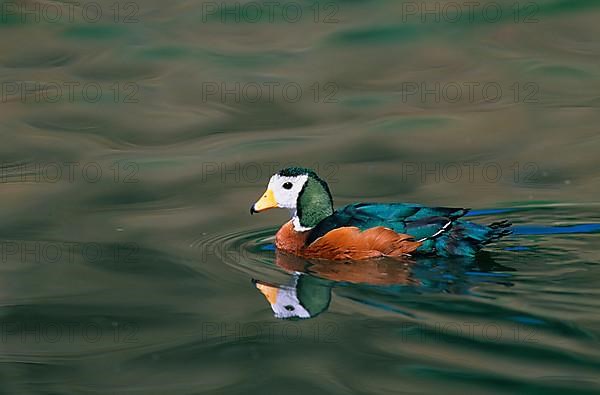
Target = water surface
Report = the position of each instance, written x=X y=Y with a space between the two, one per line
x=127 y=249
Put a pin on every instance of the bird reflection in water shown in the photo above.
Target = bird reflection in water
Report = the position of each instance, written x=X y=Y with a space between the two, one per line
x=308 y=291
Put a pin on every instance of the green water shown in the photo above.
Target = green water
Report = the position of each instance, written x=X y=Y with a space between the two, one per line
x=135 y=141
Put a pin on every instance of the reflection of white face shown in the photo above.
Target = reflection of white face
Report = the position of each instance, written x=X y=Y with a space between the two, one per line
x=287 y=304
x=287 y=189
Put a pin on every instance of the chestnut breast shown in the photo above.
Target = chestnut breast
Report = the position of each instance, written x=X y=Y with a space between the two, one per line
x=346 y=243
x=287 y=239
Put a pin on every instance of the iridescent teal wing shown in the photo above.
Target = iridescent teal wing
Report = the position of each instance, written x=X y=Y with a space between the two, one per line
x=439 y=228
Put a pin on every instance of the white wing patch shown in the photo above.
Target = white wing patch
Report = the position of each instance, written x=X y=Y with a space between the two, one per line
x=439 y=232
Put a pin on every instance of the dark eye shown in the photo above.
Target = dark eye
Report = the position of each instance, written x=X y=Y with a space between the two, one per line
x=288 y=185
x=289 y=307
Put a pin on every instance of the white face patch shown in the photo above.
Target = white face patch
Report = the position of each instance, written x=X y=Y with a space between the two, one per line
x=286 y=190
x=288 y=305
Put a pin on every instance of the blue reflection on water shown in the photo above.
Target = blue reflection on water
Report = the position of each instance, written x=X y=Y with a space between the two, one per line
x=555 y=230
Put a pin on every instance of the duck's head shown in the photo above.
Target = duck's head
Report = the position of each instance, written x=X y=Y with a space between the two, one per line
x=302 y=192
x=303 y=297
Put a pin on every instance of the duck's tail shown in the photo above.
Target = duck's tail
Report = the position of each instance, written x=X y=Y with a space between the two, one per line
x=498 y=230
x=465 y=238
